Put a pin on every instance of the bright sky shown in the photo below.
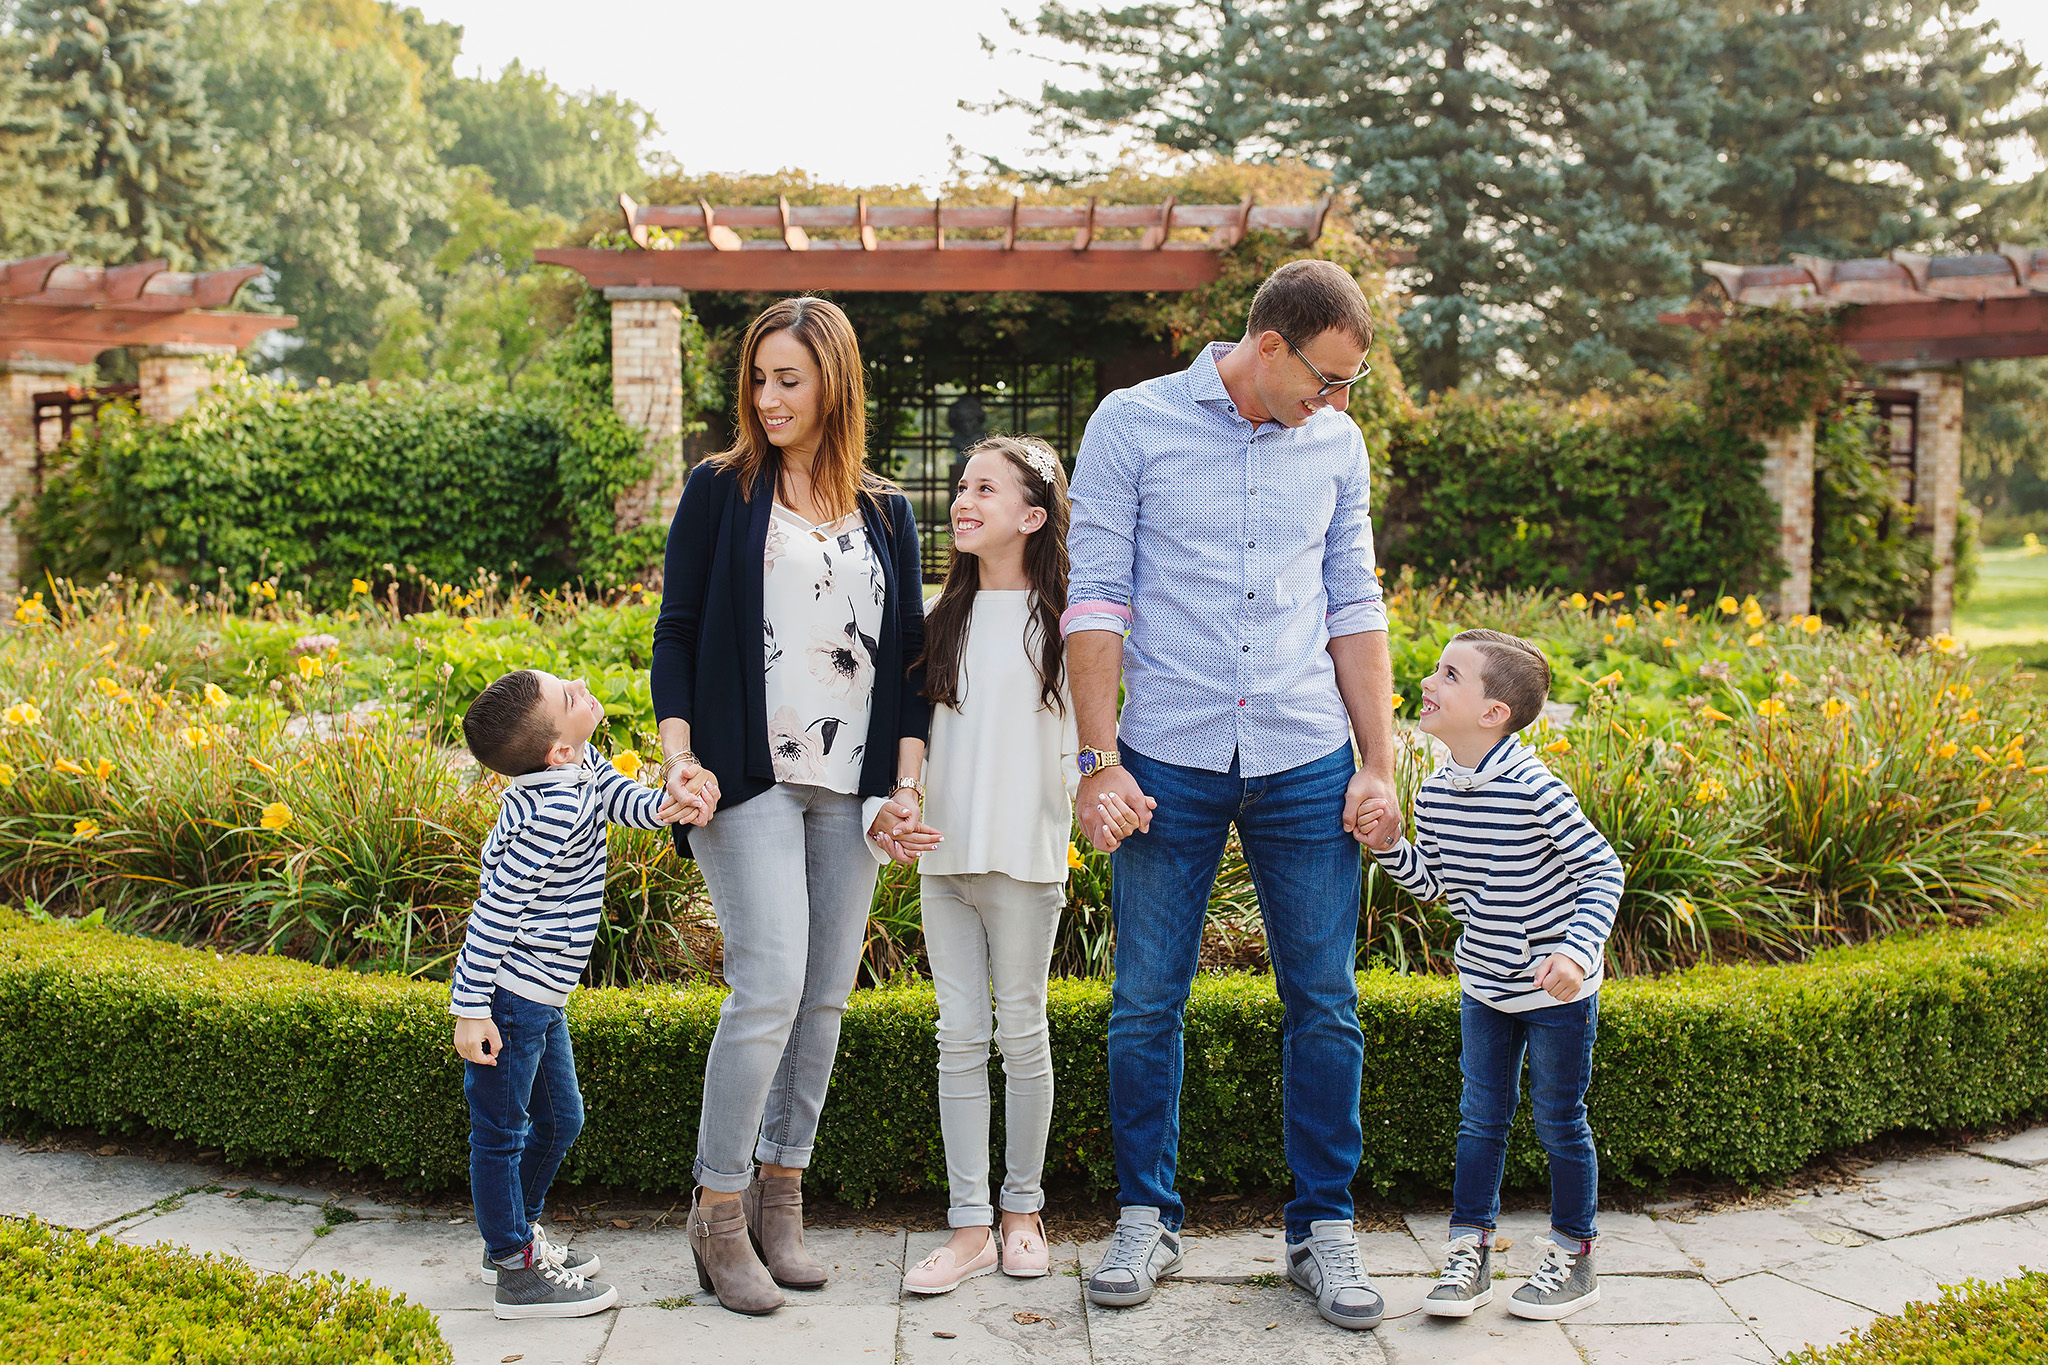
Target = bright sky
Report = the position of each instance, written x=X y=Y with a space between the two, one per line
x=855 y=93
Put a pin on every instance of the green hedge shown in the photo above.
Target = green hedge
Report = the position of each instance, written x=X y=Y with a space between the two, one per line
x=1743 y=1072
x=65 y=1296
x=1974 y=1324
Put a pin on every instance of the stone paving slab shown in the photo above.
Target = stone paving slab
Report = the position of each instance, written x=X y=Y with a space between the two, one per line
x=1788 y=1316
x=995 y=1320
x=269 y=1234
x=477 y=1338
x=1237 y=1256
x=2026 y=1149
x=430 y=1262
x=1490 y=1336
x=1631 y=1299
x=1727 y=1246
x=1992 y=1250
x=1691 y=1345
x=1191 y=1321
x=1899 y=1198
x=1872 y=1276
x=866 y=1265
x=822 y=1334
x=1629 y=1243
x=80 y=1190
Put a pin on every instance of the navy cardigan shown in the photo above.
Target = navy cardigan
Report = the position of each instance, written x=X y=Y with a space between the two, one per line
x=707 y=665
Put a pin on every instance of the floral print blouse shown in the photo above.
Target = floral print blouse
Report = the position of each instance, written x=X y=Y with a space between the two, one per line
x=822 y=591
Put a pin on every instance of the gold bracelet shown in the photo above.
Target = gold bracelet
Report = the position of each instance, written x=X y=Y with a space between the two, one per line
x=911 y=783
x=668 y=764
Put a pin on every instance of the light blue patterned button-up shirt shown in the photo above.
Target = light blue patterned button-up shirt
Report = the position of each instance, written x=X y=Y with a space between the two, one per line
x=1230 y=555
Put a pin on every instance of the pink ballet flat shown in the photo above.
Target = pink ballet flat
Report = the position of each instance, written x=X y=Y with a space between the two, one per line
x=1025 y=1254
x=942 y=1273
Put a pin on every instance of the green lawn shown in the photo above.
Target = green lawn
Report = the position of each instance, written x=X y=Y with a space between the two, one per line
x=2006 y=619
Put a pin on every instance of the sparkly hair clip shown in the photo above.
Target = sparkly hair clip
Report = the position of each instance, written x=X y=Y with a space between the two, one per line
x=1041 y=461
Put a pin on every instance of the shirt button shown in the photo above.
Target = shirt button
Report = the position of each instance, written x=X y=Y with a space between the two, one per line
x=1249 y=596
x=1246 y=648
x=1251 y=545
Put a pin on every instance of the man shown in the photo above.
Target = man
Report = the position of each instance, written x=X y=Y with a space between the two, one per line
x=1220 y=519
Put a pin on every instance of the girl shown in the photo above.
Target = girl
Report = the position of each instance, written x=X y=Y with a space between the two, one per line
x=1001 y=790
x=791 y=615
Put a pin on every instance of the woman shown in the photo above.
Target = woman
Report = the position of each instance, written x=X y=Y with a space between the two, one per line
x=791 y=611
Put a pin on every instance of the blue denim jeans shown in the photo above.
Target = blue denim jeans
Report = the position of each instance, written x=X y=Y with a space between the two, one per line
x=1305 y=869
x=523 y=1114
x=1558 y=1040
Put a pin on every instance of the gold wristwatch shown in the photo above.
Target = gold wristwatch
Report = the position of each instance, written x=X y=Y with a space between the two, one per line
x=1093 y=761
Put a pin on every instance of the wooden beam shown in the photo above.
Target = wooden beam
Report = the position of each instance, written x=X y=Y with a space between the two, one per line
x=962 y=266
x=1155 y=236
x=1084 y=235
x=867 y=233
x=1948 y=330
x=720 y=236
x=30 y=331
x=635 y=229
x=793 y=237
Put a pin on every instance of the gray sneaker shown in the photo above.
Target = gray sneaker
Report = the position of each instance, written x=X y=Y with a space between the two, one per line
x=1327 y=1266
x=584 y=1263
x=1141 y=1252
x=1561 y=1286
x=540 y=1290
x=1466 y=1286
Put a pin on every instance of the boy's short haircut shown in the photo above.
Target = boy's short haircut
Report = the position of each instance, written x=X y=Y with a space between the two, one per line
x=1304 y=299
x=506 y=728
x=1515 y=672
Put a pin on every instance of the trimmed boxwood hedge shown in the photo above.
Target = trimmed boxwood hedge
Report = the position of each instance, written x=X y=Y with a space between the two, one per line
x=1743 y=1072
x=1973 y=1324
x=65 y=1296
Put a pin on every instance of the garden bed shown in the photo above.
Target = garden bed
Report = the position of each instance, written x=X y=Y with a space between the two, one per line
x=1741 y=1072
x=1973 y=1324
x=66 y=1296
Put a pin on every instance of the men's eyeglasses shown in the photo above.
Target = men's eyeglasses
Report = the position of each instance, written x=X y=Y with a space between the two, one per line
x=1329 y=385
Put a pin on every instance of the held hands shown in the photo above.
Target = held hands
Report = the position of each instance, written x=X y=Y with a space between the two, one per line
x=1561 y=977
x=477 y=1041
x=1112 y=807
x=692 y=796
x=900 y=831
x=1372 y=812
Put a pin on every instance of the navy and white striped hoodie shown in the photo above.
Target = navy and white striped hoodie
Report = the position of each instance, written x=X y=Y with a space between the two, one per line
x=1523 y=869
x=541 y=890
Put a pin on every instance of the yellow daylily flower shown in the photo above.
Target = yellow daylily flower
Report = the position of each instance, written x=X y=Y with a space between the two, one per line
x=65 y=765
x=276 y=815
x=1669 y=642
x=357 y=585
x=261 y=766
x=1947 y=751
x=1786 y=678
x=1729 y=606
x=22 y=713
x=1684 y=909
x=1755 y=640
x=1625 y=621
x=1979 y=751
x=1578 y=601
x=1770 y=706
x=196 y=736
x=1945 y=643
x=1709 y=713
x=142 y=630
x=1074 y=857
x=1709 y=791
x=32 y=612
x=1983 y=804
x=627 y=761
x=7 y=774
x=1558 y=746
x=1969 y=717
x=216 y=697
x=1811 y=625
x=310 y=666
x=87 y=828
x=103 y=769
x=1611 y=680
x=1833 y=707
x=107 y=686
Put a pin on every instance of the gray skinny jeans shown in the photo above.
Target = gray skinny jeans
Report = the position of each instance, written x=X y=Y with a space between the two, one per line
x=791 y=880
x=992 y=935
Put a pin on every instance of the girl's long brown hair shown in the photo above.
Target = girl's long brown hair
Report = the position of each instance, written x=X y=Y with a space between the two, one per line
x=839 y=475
x=1045 y=564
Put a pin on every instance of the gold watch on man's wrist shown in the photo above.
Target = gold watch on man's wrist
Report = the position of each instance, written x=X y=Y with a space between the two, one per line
x=1093 y=761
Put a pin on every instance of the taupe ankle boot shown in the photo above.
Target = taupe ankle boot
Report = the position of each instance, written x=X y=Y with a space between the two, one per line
x=775 y=1216
x=726 y=1263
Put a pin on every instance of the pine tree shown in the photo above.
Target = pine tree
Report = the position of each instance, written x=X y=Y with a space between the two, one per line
x=38 y=183
x=156 y=179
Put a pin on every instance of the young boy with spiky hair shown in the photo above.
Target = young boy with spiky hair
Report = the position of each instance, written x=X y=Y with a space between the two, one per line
x=540 y=897
x=1504 y=842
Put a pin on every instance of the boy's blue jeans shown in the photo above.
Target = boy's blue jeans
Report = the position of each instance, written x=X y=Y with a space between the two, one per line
x=523 y=1114
x=1558 y=1040
x=1306 y=871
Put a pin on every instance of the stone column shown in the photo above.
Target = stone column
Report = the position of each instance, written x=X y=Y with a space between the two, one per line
x=1788 y=478
x=20 y=382
x=647 y=392
x=1937 y=487
x=172 y=377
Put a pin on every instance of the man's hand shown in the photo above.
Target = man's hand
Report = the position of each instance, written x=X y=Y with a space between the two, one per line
x=1561 y=977
x=692 y=797
x=478 y=1041
x=1112 y=807
x=1372 y=809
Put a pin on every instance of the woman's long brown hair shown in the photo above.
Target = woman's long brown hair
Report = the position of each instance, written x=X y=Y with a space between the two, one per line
x=839 y=475
x=1045 y=564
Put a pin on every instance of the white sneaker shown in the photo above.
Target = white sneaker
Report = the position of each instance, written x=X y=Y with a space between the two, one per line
x=553 y=1253
x=1327 y=1266
x=1139 y=1255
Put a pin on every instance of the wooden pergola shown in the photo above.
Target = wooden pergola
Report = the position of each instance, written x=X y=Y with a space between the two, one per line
x=940 y=247
x=1913 y=318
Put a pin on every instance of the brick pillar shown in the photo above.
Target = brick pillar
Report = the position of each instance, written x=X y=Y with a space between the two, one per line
x=1937 y=488
x=1788 y=478
x=172 y=377
x=647 y=392
x=20 y=382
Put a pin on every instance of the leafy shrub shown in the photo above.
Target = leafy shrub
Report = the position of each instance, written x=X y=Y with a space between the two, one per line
x=66 y=1296
x=1974 y=1324
x=1742 y=1072
x=1867 y=563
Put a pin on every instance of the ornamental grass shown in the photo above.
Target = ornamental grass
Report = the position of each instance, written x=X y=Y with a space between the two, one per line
x=237 y=770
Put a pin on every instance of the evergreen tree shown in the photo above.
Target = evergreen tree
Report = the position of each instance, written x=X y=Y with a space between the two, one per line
x=155 y=178
x=38 y=181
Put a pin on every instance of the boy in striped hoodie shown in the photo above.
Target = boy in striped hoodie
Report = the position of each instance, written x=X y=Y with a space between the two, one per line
x=540 y=897
x=1536 y=886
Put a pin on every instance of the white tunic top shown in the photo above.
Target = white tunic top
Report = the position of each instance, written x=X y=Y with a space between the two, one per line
x=1000 y=777
x=822 y=595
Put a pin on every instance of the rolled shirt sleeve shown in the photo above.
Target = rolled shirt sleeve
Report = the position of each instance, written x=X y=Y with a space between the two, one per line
x=1103 y=532
x=1350 y=570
